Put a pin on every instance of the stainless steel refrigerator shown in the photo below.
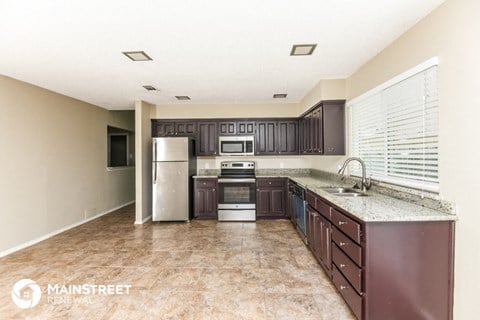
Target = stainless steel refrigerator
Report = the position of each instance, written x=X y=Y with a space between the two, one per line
x=174 y=164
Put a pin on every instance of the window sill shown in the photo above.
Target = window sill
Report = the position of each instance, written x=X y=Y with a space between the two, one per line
x=120 y=168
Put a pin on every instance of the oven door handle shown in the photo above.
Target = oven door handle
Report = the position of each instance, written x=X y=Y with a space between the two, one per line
x=236 y=180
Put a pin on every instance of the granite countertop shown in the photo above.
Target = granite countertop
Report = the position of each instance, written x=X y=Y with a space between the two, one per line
x=376 y=207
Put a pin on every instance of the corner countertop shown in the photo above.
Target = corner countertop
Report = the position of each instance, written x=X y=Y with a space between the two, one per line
x=376 y=207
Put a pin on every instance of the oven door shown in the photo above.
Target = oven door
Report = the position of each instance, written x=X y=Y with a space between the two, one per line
x=236 y=193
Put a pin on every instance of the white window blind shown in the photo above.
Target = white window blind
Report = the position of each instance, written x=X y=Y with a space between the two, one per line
x=395 y=131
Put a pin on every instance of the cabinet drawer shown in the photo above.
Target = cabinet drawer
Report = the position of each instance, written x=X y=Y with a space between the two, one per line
x=315 y=202
x=312 y=199
x=347 y=267
x=349 y=294
x=275 y=182
x=346 y=225
x=353 y=250
x=324 y=209
x=205 y=183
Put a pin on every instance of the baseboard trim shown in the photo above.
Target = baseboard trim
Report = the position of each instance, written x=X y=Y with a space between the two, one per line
x=54 y=233
x=144 y=220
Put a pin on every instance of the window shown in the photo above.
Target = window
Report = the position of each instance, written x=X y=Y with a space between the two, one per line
x=394 y=129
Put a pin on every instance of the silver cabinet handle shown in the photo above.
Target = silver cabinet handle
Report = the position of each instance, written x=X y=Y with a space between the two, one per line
x=342 y=244
x=341 y=223
x=342 y=265
x=343 y=287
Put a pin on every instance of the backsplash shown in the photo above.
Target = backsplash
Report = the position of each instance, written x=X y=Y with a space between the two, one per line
x=419 y=197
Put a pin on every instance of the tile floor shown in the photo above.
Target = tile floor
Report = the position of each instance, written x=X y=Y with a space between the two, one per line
x=197 y=270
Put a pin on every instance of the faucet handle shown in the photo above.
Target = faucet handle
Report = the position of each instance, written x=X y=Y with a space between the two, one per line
x=355 y=186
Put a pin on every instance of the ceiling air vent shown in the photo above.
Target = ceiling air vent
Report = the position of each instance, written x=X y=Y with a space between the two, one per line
x=303 y=49
x=137 y=55
x=279 y=96
x=150 y=88
x=182 y=97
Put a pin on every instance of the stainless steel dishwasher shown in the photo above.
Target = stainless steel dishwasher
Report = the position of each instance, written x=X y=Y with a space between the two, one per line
x=300 y=214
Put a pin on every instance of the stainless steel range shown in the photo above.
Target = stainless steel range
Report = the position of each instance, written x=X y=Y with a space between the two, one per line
x=236 y=191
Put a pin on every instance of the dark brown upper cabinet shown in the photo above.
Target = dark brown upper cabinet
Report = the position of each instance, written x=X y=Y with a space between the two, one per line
x=287 y=137
x=207 y=139
x=266 y=138
x=174 y=128
x=245 y=127
x=227 y=128
x=333 y=128
x=323 y=129
x=186 y=128
x=319 y=131
x=277 y=137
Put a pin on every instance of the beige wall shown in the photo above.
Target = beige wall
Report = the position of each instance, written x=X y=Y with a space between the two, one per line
x=143 y=159
x=53 y=162
x=188 y=110
x=329 y=89
x=451 y=33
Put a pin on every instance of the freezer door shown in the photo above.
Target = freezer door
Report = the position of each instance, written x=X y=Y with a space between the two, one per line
x=170 y=191
x=170 y=149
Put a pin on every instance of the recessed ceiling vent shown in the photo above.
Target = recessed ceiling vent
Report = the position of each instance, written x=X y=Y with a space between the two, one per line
x=150 y=88
x=137 y=55
x=182 y=97
x=279 y=96
x=303 y=49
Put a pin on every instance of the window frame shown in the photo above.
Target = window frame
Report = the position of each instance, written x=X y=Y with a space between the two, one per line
x=377 y=92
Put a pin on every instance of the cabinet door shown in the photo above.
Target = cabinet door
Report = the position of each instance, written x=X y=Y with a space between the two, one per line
x=287 y=137
x=307 y=135
x=207 y=139
x=301 y=134
x=163 y=128
x=188 y=128
x=334 y=128
x=266 y=138
x=326 y=245
x=263 y=204
x=245 y=127
x=278 y=208
x=310 y=212
x=205 y=199
x=316 y=131
x=227 y=128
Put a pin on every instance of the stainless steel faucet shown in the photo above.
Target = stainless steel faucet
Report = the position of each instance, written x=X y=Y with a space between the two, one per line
x=366 y=183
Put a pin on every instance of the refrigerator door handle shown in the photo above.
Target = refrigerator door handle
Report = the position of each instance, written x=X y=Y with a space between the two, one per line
x=155 y=173
x=154 y=150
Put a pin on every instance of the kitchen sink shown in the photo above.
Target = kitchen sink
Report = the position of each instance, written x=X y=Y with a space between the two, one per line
x=344 y=192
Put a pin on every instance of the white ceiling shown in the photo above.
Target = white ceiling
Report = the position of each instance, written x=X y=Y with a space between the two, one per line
x=214 y=51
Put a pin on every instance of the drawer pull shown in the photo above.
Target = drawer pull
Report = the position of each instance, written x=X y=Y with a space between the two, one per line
x=342 y=244
x=343 y=287
x=342 y=265
x=340 y=223
x=204 y=183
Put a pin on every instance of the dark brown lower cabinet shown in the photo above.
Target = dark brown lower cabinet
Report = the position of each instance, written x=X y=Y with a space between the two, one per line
x=384 y=270
x=271 y=197
x=319 y=238
x=205 y=199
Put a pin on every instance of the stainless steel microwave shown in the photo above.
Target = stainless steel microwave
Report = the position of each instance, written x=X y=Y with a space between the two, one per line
x=236 y=145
